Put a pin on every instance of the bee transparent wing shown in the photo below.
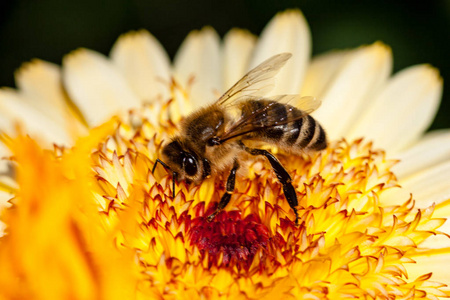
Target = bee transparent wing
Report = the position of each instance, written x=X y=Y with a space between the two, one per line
x=257 y=82
x=265 y=117
x=307 y=104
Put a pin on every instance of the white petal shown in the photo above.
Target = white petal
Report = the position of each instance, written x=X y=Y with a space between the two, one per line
x=286 y=32
x=438 y=241
x=429 y=186
x=347 y=95
x=238 y=47
x=321 y=72
x=145 y=64
x=199 y=58
x=395 y=196
x=403 y=110
x=4 y=152
x=96 y=86
x=40 y=85
x=432 y=149
x=435 y=263
x=14 y=109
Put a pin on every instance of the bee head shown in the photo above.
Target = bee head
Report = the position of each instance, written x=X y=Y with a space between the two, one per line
x=182 y=160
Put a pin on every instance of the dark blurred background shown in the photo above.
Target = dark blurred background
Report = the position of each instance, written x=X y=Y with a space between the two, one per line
x=418 y=32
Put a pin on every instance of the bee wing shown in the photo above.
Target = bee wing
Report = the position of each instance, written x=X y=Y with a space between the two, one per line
x=257 y=82
x=307 y=104
x=260 y=118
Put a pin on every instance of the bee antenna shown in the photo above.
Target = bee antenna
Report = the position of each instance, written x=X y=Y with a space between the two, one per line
x=174 y=174
x=162 y=163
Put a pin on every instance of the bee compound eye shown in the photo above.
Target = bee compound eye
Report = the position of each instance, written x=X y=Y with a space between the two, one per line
x=189 y=165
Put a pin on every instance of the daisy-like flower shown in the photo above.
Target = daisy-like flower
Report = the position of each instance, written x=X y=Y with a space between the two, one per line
x=89 y=220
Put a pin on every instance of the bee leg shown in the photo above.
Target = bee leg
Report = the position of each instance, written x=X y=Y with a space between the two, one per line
x=174 y=174
x=282 y=175
x=229 y=190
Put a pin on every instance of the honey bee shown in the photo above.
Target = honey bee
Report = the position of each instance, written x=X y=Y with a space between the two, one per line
x=218 y=137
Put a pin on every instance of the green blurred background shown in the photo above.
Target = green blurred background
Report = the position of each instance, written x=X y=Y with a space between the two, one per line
x=47 y=29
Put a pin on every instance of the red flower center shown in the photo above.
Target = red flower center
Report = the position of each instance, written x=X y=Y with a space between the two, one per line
x=230 y=238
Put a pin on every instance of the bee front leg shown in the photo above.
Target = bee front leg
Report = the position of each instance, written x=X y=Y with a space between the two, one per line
x=282 y=175
x=229 y=190
x=174 y=174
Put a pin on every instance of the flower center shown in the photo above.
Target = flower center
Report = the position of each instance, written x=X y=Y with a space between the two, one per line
x=350 y=238
x=229 y=239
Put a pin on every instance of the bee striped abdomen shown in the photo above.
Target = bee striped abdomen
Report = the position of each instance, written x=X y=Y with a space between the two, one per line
x=296 y=129
x=306 y=133
x=279 y=111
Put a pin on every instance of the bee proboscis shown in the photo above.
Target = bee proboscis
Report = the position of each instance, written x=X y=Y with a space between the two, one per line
x=218 y=137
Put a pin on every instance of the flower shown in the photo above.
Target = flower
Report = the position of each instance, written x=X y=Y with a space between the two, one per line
x=120 y=233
